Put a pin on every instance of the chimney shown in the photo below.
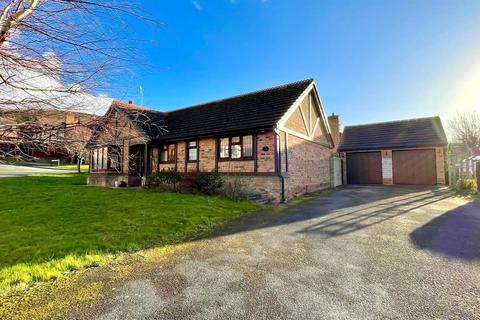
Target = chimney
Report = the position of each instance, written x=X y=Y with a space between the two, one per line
x=334 y=123
x=70 y=118
x=129 y=101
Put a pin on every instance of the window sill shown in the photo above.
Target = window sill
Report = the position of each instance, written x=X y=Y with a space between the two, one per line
x=236 y=159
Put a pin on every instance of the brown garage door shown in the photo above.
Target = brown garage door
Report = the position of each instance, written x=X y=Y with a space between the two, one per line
x=414 y=167
x=364 y=168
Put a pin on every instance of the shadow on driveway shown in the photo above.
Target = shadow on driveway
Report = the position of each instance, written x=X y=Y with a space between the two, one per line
x=455 y=234
x=348 y=209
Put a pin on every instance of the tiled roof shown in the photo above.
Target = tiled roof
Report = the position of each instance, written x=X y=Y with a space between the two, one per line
x=256 y=110
x=421 y=132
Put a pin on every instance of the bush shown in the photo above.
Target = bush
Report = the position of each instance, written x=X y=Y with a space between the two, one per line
x=466 y=186
x=209 y=183
x=236 y=188
x=166 y=179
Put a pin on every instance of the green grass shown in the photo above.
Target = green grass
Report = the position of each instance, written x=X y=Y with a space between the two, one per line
x=67 y=166
x=53 y=224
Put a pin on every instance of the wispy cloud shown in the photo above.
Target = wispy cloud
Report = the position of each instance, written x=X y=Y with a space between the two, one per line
x=196 y=5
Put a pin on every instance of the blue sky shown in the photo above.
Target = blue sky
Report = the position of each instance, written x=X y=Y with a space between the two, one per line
x=372 y=60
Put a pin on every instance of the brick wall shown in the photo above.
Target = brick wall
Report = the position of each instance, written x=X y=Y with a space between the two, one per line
x=106 y=180
x=236 y=166
x=440 y=163
x=387 y=173
x=308 y=166
x=181 y=156
x=266 y=159
x=269 y=187
x=207 y=154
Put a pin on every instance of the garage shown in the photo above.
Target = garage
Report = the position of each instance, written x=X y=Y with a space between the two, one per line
x=405 y=152
x=414 y=167
x=364 y=168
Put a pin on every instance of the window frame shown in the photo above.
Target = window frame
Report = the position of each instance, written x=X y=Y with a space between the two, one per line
x=240 y=143
x=188 y=148
x=101 y=159
x=167 y=150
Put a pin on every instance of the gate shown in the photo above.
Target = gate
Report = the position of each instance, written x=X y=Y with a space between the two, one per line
x=337 y=171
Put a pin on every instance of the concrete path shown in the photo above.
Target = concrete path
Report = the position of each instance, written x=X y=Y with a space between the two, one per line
x=7 y=171
x=357 y=253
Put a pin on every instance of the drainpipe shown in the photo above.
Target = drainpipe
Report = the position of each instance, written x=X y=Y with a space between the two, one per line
x=278 y=165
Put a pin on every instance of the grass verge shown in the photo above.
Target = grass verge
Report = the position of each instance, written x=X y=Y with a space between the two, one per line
x=53 y=224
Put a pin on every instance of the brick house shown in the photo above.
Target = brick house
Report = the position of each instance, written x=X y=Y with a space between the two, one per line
x=45 y=134
x=409 y=152
x=277 y=140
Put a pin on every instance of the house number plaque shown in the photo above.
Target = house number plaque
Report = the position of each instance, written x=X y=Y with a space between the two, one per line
x=265 y=148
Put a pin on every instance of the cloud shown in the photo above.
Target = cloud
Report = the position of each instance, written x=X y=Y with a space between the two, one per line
x=196 y=5
x=38 y=90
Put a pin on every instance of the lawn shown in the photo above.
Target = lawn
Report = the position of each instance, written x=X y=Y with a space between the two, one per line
x=68 y=166
x=54 y=224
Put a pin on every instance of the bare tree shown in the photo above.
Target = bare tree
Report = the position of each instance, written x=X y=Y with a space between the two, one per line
x=53 y=55
x=465 y=128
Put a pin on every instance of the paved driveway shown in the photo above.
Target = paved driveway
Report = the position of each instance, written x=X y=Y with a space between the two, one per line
x=357 y=253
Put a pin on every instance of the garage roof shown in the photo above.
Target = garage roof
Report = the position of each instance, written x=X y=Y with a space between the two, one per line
x=412 y=133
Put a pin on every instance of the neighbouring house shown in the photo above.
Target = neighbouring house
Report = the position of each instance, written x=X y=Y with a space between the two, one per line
x=407 y=152
x=44 y=134
x=278 y=141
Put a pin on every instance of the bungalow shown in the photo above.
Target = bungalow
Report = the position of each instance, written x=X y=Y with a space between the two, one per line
x=277 y=140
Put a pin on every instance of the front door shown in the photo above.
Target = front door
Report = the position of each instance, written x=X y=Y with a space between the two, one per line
x=136 y=165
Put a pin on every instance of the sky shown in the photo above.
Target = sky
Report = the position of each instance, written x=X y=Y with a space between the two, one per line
x=372 y=60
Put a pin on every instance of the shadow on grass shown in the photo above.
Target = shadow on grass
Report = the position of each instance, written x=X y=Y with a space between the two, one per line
x=455 y=234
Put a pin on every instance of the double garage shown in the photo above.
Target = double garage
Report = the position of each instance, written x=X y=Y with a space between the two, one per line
x=410 y=167
x=408 y=152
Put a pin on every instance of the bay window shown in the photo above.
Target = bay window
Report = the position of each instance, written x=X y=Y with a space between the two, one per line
x=105 y=158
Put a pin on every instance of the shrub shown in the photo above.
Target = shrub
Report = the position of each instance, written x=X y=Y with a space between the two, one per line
x=236 y=188
x=466 y=186
x=209 y=182
x=167 y=179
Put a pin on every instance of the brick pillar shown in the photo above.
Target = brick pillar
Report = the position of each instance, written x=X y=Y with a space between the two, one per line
x=387 y=170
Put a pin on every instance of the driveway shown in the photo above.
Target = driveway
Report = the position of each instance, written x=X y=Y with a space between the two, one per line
x=369 y=252
x=7 y=171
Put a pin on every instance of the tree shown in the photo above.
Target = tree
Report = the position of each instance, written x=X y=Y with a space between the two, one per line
x=465 y=128
x=53 y=55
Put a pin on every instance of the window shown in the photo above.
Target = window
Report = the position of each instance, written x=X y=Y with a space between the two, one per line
x=247 y=146
x=101 y=157
x=115 y=161
x=167 y=153
x=105 y=158
x=192 y=150
x=224 y=148
x=236 y=147
x=163 y=153
x=95 y=159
